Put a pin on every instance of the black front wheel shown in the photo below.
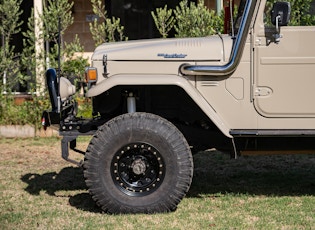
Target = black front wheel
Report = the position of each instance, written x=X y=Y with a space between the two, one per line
x=138 y=163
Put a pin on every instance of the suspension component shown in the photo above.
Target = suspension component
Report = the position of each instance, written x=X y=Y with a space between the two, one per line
x=131 y=103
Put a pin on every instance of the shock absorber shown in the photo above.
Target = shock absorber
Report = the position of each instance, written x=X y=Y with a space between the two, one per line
x=131 y=103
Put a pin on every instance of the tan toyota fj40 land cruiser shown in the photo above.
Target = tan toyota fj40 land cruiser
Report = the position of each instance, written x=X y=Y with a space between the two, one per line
x=154 y=101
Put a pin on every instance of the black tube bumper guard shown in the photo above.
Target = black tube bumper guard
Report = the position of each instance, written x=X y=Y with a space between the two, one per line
x=63 y=119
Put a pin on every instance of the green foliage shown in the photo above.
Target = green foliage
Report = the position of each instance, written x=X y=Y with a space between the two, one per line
x=50 y=18
x=105 y=29
x=190 y=20
x=75 y=67
x=300 y=12
x=10 y=12
x=196 y=20
x=72 y=63
x=75 y=63
x=73 y=47
x=29 y=112
x=48 y=25
x=28 y=56
x=85 y=108
x=163 y=20
x=10 y=23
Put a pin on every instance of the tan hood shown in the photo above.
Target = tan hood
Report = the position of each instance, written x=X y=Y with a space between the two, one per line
x=183 y=49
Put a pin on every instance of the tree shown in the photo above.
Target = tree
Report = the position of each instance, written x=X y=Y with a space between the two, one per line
x=28 y=55
x=104 y=29
x=10 y=24
x=191 y=20
x=164 y=20
x=49 y=22
x=52 y=13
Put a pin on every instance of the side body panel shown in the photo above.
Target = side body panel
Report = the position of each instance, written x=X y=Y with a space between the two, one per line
x=284 y=76
x=272 y=88
x=179 y=81
x=230 y=97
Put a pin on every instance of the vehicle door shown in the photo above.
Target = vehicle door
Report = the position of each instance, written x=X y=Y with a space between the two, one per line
x=284 y=70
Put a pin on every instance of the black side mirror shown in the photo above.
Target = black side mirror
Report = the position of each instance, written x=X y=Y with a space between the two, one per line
x=280 y=13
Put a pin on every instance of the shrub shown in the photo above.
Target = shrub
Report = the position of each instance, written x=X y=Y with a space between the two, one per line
x=75 y=64
x=196 y=20
x=189 y=20
x=29 y=112
x=301 y=14
x=164 y=20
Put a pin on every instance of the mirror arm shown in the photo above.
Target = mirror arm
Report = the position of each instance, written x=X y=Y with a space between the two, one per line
x=277 y=36
x=277 y=23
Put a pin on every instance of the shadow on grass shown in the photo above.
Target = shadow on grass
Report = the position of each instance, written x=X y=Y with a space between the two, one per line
x=274 y=175
x=214 y=173
x=68 y=179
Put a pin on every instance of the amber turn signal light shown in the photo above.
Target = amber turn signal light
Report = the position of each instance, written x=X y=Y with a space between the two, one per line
x=90 y=74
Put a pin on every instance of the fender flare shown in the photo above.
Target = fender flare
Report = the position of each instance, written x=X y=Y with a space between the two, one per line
x=124 y=79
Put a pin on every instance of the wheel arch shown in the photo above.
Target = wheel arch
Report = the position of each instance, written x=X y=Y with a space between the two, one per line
x=163 y=80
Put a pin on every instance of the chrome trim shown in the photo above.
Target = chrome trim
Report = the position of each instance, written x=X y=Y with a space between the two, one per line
x=236 y=53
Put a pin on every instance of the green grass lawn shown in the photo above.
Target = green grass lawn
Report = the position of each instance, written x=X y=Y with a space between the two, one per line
x=39 y=190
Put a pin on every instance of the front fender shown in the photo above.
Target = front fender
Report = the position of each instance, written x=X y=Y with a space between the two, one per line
x=123 y=79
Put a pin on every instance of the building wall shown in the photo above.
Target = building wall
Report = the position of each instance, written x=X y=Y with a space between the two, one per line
x=211 y=4
x=82 y=13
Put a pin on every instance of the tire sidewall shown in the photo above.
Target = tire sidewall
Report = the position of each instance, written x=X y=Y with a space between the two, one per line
x=142 y=128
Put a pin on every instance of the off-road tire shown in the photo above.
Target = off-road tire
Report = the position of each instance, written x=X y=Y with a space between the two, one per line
x=138 y=163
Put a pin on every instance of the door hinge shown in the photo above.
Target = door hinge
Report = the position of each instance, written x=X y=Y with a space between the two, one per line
x=258 y=42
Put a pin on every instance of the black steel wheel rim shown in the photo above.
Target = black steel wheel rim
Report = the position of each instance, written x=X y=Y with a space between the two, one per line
x=137 y=169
